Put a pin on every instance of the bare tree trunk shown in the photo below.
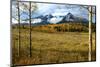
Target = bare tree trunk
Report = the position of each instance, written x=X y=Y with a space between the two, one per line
x=90 y=34
x=19 y=28
x=30 y=27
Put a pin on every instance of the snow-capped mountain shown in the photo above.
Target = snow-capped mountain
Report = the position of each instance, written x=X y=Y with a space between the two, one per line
x=71 y=18
x=50 y=19
x=47 y=19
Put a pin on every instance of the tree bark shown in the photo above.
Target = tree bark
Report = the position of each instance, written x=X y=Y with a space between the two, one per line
x=30 y=27
x=18 y=28
x=90 y=34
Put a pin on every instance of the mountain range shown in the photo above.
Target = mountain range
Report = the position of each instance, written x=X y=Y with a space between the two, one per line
x=50 y=19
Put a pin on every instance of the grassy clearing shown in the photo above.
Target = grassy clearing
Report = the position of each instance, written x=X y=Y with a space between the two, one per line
x=55 y=47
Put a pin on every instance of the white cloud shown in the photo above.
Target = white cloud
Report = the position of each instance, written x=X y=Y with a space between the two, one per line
x=36 y=20
x=55 y=20
x=14 y=21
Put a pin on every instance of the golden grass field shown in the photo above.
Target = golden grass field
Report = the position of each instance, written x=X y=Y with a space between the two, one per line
x=58 y=47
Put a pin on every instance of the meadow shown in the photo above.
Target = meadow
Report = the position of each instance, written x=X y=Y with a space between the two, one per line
x=51 y=47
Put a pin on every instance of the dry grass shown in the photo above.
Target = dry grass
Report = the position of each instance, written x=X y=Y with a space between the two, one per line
x=58 y=47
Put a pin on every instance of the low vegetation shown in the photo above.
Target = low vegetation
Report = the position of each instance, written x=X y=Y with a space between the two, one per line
x=64 y=27
x=53 y=43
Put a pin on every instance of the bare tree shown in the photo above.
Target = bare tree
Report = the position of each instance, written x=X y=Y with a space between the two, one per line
x=91 y=13
x=19 y=28
x=27 y=7
x=90 y=34
x=30 y=28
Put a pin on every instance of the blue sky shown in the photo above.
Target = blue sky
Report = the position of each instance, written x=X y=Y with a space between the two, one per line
x=54 y=9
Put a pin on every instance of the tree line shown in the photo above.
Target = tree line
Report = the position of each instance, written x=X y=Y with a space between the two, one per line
x=65 y=27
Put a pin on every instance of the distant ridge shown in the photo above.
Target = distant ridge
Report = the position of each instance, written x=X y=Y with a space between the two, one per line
x=69 y=17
